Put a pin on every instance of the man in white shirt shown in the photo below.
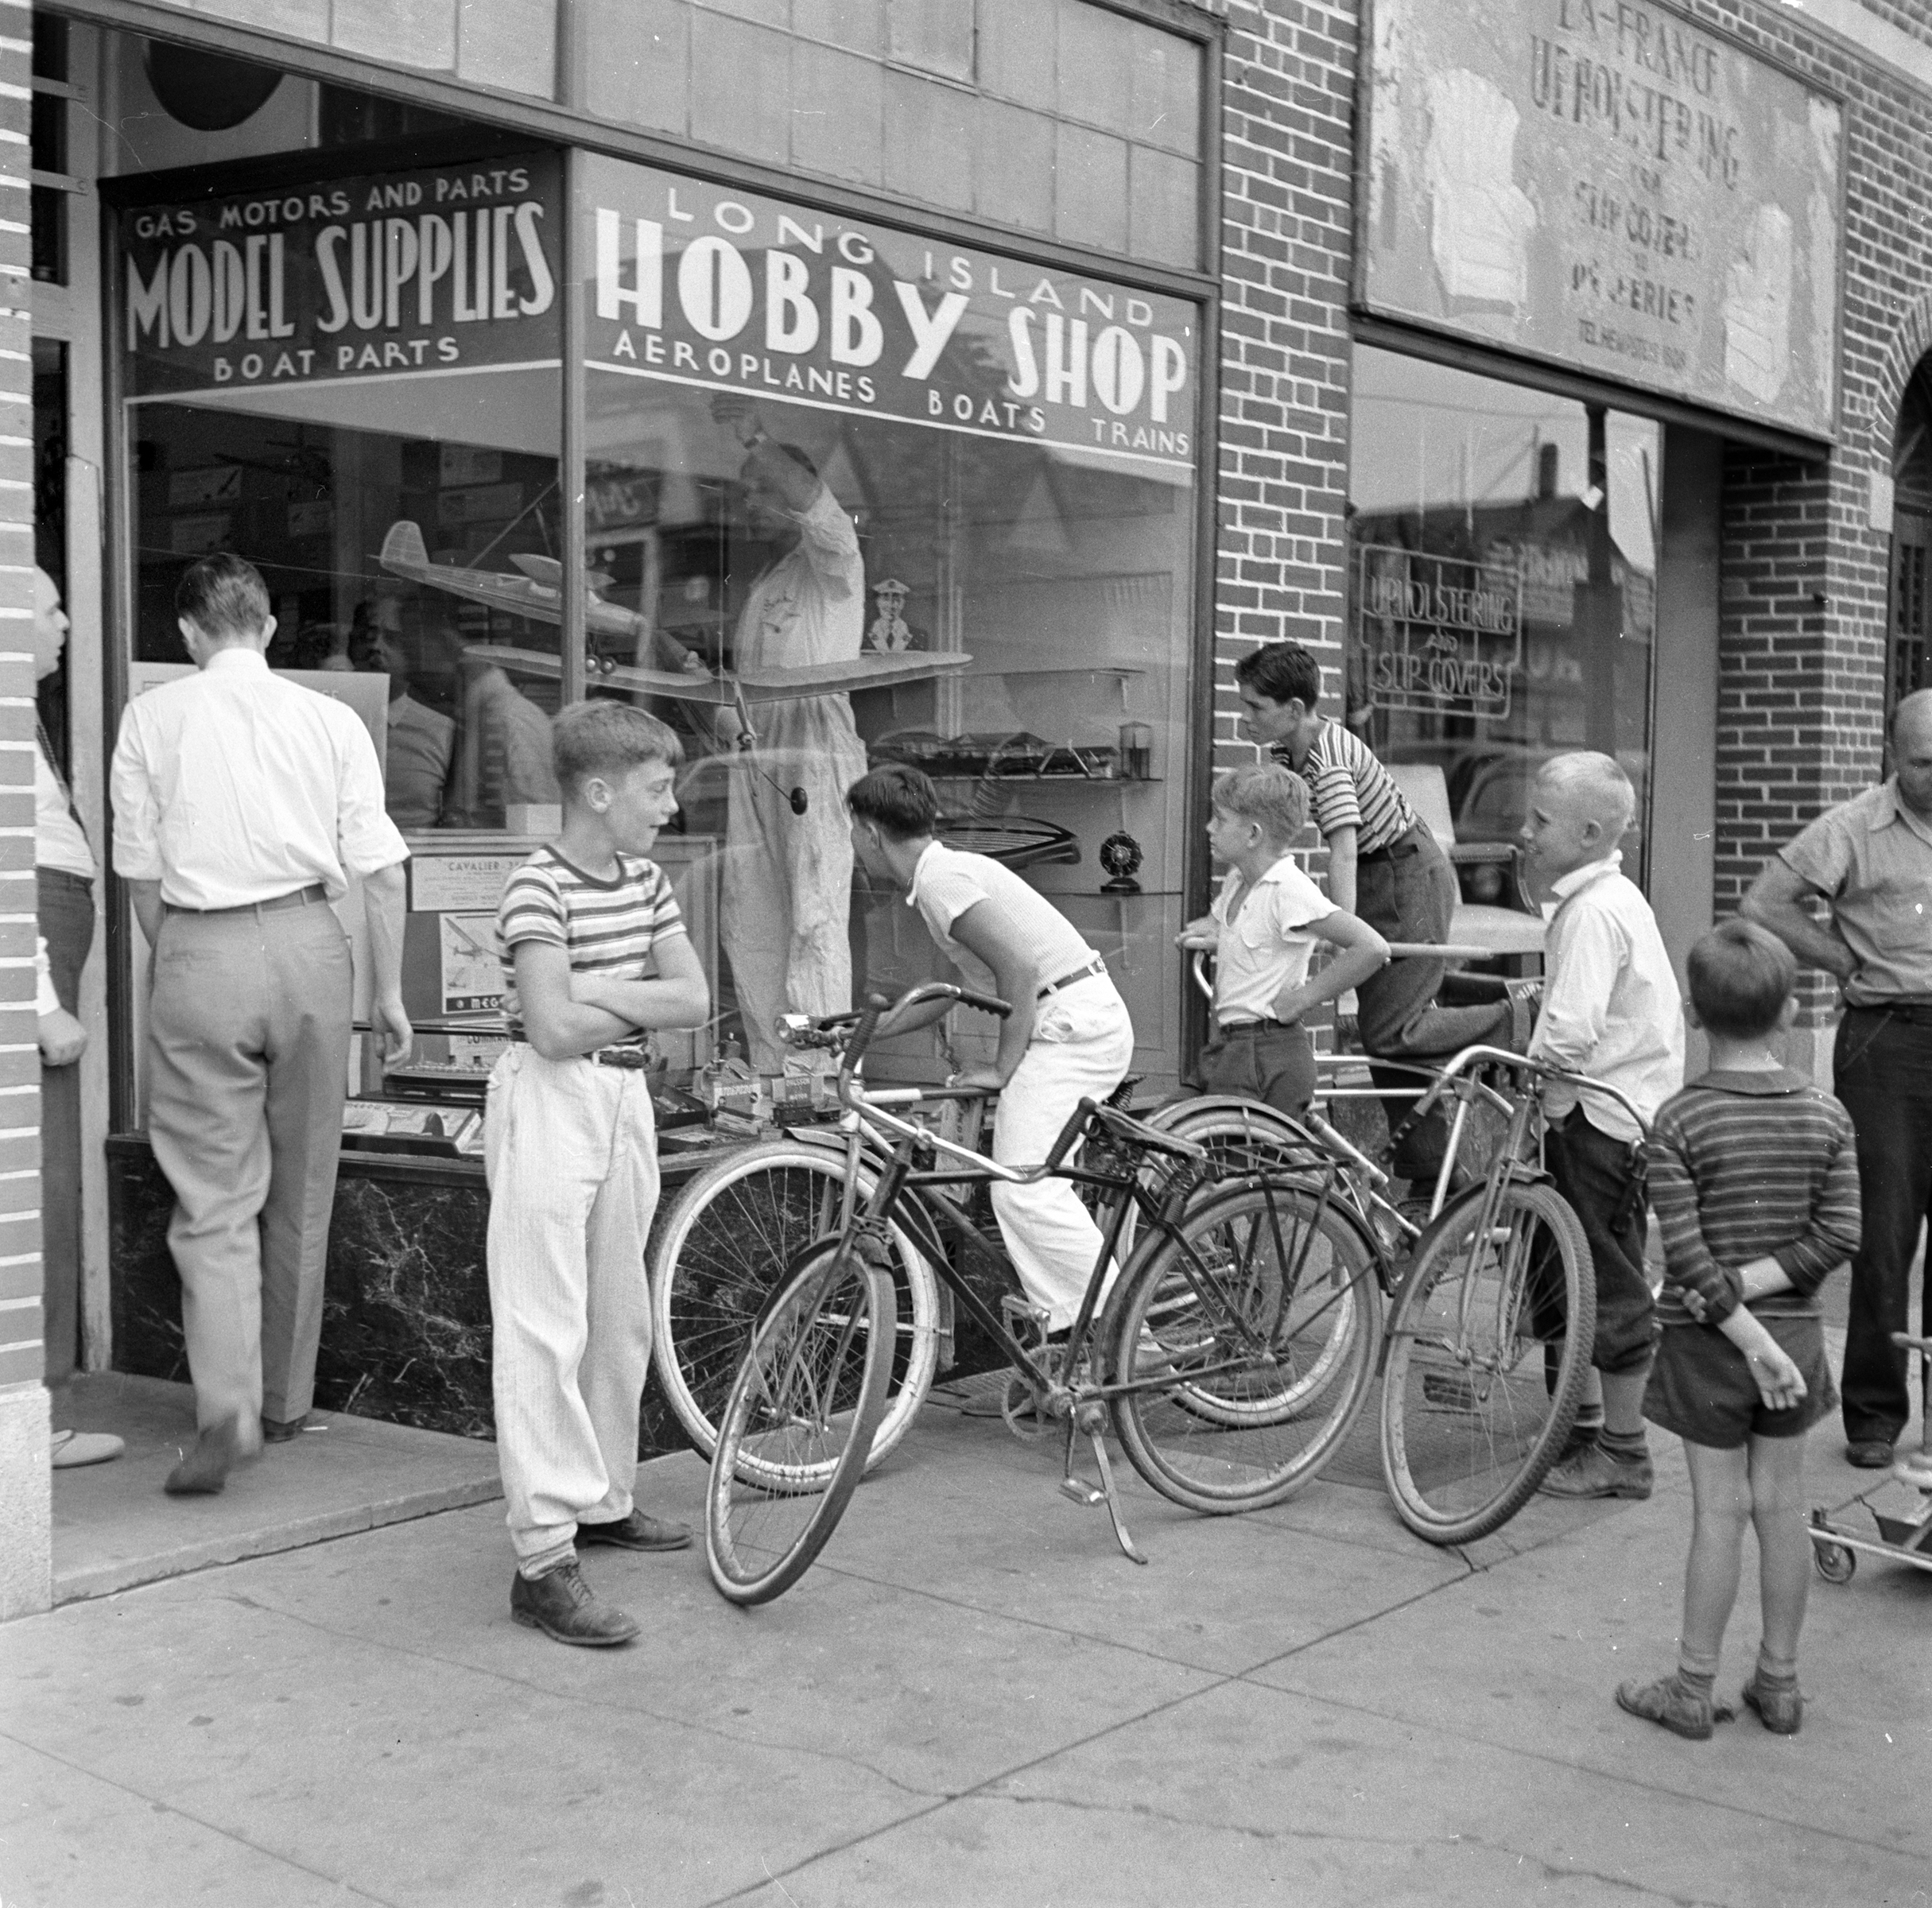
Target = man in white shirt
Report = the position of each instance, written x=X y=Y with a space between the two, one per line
x=241 y=805
x=63 y=882
x=788 y=871
x=1611 y=1010
x=1068 y=1037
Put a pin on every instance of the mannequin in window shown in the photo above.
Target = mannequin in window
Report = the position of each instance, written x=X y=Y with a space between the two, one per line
x=788 y=875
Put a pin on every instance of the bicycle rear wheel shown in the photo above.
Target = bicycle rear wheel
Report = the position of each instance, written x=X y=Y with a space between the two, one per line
x=1489 y=1342
x=733 y=1234
x=796 y=1427
x=1258 y=1324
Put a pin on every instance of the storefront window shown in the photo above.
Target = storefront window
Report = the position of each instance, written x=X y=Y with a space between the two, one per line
x=855 y=496
x=1502 y=591
x=355 y=384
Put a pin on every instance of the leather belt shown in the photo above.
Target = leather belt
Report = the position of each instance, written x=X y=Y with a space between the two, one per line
x=1250 y=1027
x=1093 y=968
x=301 y=897
x=1914 y=1012
x=1404 y=844
x=635 y=1060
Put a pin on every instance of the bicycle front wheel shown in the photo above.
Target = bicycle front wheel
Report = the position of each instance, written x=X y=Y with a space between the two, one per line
x=735 y=1230
x=1489 y=1342
x=1247 y=1340
x=798 y=1421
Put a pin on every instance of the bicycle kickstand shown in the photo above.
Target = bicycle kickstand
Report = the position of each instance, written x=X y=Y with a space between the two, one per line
x=1083 y=1493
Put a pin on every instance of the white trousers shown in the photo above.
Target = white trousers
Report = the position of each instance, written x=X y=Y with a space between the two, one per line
x=1082 y=1044
x=570 y=1149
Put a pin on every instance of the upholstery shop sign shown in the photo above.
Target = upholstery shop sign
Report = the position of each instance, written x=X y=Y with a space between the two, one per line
x=1610 y=185
x=394 y=274
x=705 y=286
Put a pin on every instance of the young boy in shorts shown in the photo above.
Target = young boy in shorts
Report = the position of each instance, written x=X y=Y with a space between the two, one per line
x=595 y=954
x=1262 y=931
x=1612 y=1011
x=1754 y=1175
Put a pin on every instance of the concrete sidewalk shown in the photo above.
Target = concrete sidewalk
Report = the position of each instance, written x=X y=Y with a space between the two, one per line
x=972 y=1699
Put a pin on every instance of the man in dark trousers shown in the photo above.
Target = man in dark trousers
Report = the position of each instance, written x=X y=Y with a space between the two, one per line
x=242 y=804
x=1870 y=860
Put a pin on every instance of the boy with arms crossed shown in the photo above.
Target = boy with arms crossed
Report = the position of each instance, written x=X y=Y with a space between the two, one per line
x=1611 y=1010
x=1262 y=931
x=1068 y=1037
x=595 y=954
x=1754 y=1173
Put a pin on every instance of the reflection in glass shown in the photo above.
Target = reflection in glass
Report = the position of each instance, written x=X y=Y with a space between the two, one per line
x=1502 y=588
x=389 y=552
x=1036 y=598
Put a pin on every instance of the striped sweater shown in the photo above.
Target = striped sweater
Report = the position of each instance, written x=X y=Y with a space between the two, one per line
x=1747 y=1165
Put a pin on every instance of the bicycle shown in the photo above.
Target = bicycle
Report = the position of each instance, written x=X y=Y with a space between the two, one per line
x=1485 y=1352
x=1217 y=1355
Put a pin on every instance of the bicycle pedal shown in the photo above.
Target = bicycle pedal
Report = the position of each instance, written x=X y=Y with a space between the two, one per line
x=1080 y=1493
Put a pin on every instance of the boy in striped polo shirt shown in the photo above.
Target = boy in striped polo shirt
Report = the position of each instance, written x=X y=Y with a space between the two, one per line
x=595 y=954
x=1754 y=1176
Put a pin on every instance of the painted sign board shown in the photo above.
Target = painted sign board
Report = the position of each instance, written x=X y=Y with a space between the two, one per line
x=1439 y=633
x=710 y=286
x=1606 y=185
x=411 y=273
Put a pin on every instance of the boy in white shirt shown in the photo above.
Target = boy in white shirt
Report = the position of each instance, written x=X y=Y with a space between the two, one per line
x=1262 y=931
x=1611 y=1010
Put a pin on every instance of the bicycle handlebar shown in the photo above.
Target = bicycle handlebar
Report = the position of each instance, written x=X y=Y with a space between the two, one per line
x=1470 y=1055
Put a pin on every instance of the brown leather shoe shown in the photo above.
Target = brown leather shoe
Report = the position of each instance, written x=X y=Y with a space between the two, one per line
x=204 y=1470
x=561 y=1604
x=1780 y=1711
x=636 y=1532
x=278 y=1431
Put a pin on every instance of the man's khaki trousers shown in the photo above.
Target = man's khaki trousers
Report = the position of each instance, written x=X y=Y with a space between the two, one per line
x=248 y=1043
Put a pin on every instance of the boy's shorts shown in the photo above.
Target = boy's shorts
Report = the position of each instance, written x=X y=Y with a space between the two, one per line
x=1701 y=1388
x=1264 y=1061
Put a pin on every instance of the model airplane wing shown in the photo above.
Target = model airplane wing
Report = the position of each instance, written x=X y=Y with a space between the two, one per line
x=537 y=595
x=837 y=678
x=684 y=685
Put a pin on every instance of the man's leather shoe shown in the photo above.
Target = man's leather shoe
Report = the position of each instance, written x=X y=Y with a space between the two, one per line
x=278 y=1431
x=205 y=1469
x=1869 y=1453
x=636 y=1532
x=559 y=1604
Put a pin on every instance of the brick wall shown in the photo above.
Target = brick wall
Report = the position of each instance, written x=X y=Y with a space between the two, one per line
x=24 y=1501
x=1287 y=218
x=20 y=1266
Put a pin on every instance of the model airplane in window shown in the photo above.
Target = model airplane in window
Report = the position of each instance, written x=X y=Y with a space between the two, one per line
x=537 y=596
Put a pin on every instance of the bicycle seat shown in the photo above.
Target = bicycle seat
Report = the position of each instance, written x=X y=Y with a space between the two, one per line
x=1129 y=1131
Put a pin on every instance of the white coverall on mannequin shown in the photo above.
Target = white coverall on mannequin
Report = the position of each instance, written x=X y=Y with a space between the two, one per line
x=788 y=879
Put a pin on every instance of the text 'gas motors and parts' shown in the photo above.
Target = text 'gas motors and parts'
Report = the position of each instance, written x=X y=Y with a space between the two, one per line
x=453 y=267
x=704 y=285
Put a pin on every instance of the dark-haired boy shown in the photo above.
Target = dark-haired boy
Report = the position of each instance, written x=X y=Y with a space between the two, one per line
x=1754 y=1175
x=1067 y=1037
x=242 y=804
x=595 y=954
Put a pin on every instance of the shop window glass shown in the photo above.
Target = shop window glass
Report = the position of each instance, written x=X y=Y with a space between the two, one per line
x=967 y=545
x=1502 y=585
x=354 y=383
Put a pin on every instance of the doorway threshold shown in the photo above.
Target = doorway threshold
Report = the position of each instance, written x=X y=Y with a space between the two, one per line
x=114 y=1526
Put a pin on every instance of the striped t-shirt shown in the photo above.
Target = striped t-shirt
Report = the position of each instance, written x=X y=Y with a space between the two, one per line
x=1348 y=788
x=1744 y=1165
x=609 y=928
